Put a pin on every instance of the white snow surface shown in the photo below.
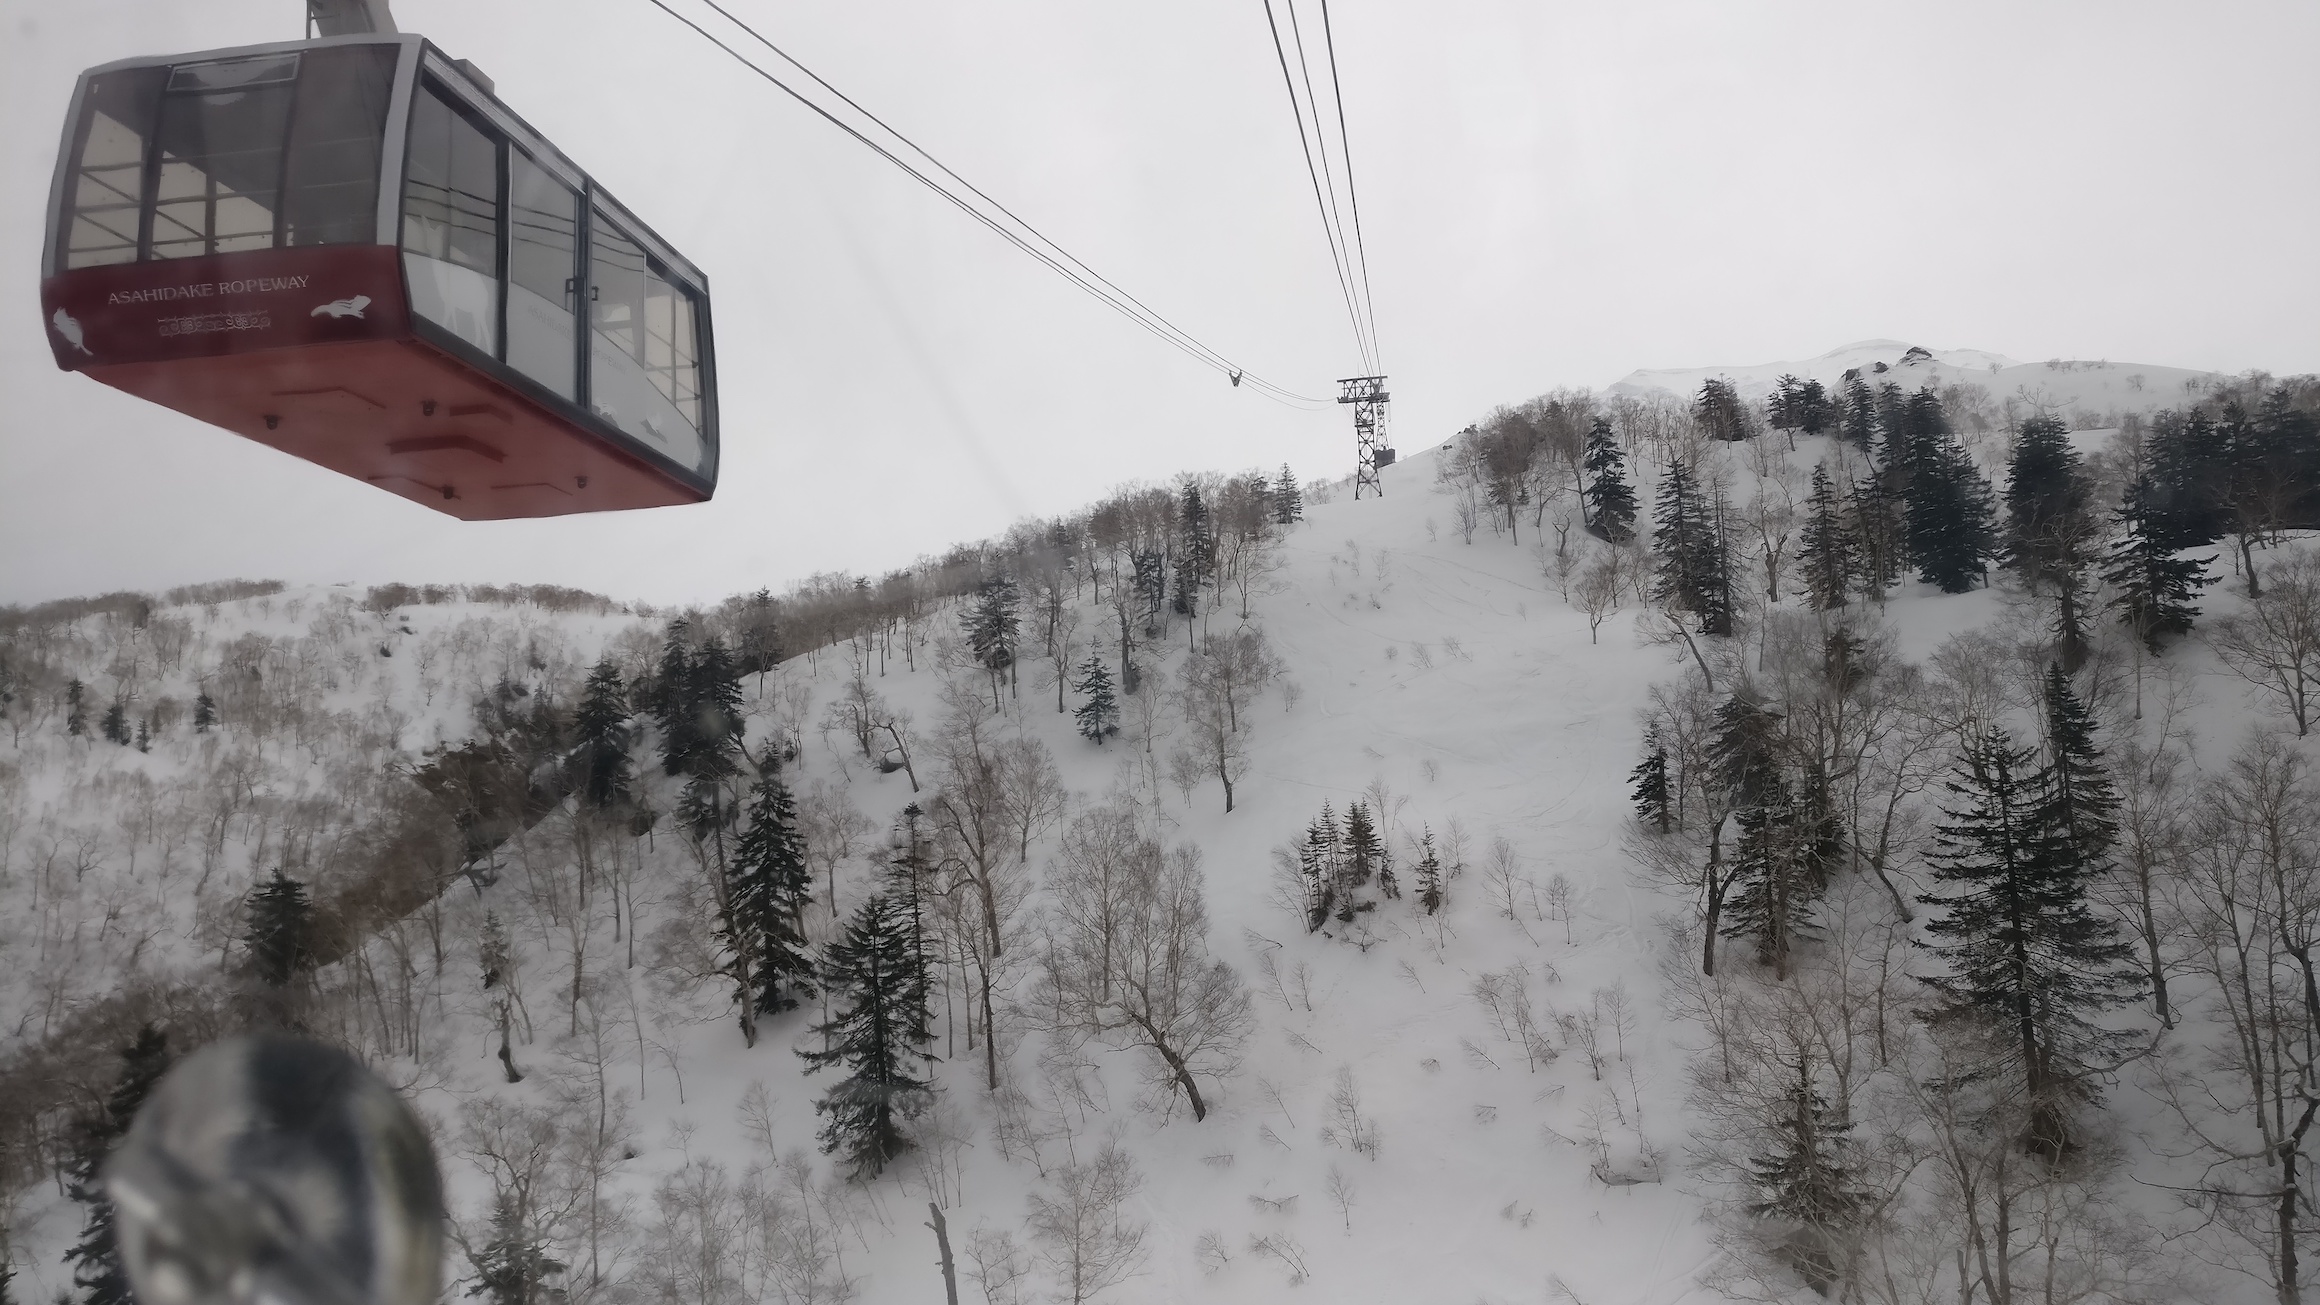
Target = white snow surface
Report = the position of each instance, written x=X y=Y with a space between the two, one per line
x=1451 y=673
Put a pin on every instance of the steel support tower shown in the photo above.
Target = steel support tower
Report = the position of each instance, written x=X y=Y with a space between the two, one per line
x=1368 y=396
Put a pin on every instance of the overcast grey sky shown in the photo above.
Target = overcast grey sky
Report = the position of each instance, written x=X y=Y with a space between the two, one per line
x=1553 y=194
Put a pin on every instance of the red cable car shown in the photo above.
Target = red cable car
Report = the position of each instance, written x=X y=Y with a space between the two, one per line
x=348 y=249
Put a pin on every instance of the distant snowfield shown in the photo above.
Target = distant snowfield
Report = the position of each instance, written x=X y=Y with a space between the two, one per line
x=2100 y=389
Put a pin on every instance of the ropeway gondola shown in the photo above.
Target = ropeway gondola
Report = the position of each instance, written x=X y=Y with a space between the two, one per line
x=348 y=249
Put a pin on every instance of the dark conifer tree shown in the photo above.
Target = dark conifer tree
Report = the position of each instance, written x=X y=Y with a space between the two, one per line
x=879 y=1029
x=2157 y=592
x=1946 y=503
x=1099 y=714
x=1150 y=582
x=1428 y=874
x=514 y=1267
x=1746 y=753
x=116 y=724
x=601 y=736
x=1196 y=560
x=1694 y=567
x=1288 y=502
x=204 y=712
x=759 y=640
x=716 y=700
x=771 y=885
x=1781 y=410
x=96 y=1257
x=76 y=711
x=2189 y=473
x=1609 y=502
x=1363 y=851
x=1857 y=418
x=994 y=628
x=2048 y=524
x=1316 y=878
x=2046 y=498
x=145 y=732
x=2084 y=804
x=1806 y=1184
x=2029 y=961
x=1718 y=410
x=1877 y=524
x=673 y=706
x=1648 y=784
x=280 y=940
x=1815 y=412
x=1829 y=552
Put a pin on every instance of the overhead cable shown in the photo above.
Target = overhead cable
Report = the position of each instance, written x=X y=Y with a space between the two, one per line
x=1329 y=183
x=1328 y=230
x=1345 y=143
x=1028 y=239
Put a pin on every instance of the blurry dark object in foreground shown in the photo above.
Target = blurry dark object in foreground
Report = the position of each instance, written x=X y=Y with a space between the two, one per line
x=269 y=1170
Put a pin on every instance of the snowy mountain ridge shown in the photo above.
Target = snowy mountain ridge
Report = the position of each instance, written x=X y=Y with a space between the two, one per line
x=2096 y=394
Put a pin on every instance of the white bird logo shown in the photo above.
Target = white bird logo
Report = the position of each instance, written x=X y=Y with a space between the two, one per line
x=70 y=329
x=351 y=307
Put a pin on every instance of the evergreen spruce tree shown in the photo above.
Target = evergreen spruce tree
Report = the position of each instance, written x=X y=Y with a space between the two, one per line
x=994 y=628
x=1784 y=410
x=1718 y=410
x=1648 y=784
x=2083 y=803
x=145 y=732
x=280 y=940
x=116 y=724
x=1196 y=560
x=1694 y=567
x=1316 y=877
x=1151 y=585
x=1815 y=412
x=514 y=1267
x=1428 y=874
x=1806 y=1186
x=1609 y=502
x=1877 y=525
x=76 y=711
x=2047 y=526
x=600 y=732
x=1945 y=501
x=2029 y=962
x=96 y=1257
x=1829 y=552
x=204 y=712
x=2185 y=501
x=1324 y=854
x=2046 y=498
x=771 y=886
x=879 y=1028
x=1099 y=714
x=2157 y=592
x=716 y=700
x=1362 y=848
x=673 y=707
x=1857 y=418
x=1771 y=880
x=1288 y=502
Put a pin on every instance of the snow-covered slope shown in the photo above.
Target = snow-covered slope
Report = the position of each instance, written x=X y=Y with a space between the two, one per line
x=2102 y=390
x=1448 y=682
